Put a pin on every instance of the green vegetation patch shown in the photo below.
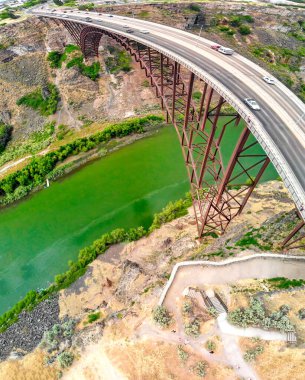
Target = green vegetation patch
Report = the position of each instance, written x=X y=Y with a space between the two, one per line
x=56 y=59
x=172 y=211
x=161 y=316
x=7 y=13
x=94 y=317
x=232 y=24
x=59 y=332
x=45 y=104
x=65 y=359
x=32 y=3
x=86 y=7
x=38 y=140
x=119 y=60
x=252 y=353
x=285 y=283
x=192 y=328
x=271 y=234
x=21 y=182
x=256 y=315
x=5 y=135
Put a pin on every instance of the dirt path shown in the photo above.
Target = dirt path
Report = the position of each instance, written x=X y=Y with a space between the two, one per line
x=199 y=274
x=94 y=365
x=11 y=164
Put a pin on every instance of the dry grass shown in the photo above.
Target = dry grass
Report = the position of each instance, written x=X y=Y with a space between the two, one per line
x=160 y=361
x=31 y=367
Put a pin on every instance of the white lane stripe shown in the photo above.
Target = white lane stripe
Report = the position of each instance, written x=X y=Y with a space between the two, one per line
x=286 y=119
x=242 y=60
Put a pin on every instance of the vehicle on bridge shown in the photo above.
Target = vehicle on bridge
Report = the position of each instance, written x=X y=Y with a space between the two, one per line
x=269 y=80
x=252 y=104
x=215 y=47
x=225 y=50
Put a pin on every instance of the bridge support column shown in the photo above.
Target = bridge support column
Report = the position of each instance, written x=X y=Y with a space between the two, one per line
x=219 y=189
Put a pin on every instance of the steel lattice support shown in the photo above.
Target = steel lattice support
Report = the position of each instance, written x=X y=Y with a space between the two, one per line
x=295 y=236
x=219 y=189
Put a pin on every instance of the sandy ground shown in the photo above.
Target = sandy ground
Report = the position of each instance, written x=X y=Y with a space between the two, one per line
x=96 y=366
x=32 y=367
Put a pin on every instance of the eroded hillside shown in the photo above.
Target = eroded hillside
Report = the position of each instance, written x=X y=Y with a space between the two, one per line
x=105 y=319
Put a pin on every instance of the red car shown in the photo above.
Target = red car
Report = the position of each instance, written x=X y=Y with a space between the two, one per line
x=215 y=47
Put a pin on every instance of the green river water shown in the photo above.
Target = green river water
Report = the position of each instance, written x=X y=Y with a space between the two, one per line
x=40 y=234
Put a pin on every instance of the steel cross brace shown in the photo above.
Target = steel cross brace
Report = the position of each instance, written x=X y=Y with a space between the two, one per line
x=199 y=128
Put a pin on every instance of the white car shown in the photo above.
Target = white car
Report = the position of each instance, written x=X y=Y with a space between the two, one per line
x=144 y=31
x=225 y=50
x=252 y=104
x=269 y=80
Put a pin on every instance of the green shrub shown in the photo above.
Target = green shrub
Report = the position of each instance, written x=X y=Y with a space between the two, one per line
x=248 y=18
x=223 y=28
x=5 y=135
x=32 y=3
x=172 y=211
x=55 y=59
x=255 y=315
x=119 y=61
x=187 y=307
x=7 y=13
x=58 y=333
x=251 y=354
x=196 y=95
x=210 y=345
x=286 y=283
x=183 y=355
x=91 y=71
x=244 y=30
x=200 y=369
x=194 y=7
x=161 y=316
x=94 y=317
x=301 y=313
x=65 y=359
x=192 y=328
x=235 y=21
x=35 y=100
x=213 y=311
x=86 y=7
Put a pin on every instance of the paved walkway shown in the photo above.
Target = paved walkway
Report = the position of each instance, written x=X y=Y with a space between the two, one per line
x=201 y=273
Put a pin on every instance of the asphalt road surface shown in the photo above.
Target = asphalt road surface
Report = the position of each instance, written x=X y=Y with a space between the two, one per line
x=281 y=119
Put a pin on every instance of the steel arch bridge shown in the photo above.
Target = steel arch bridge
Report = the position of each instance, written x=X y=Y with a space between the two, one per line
x=216 y=197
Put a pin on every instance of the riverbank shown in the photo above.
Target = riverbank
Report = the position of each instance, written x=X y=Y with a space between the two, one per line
x=121 y=287
x=56 y=163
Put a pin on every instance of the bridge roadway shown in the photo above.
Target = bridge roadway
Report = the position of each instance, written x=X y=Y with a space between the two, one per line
x=280 y=124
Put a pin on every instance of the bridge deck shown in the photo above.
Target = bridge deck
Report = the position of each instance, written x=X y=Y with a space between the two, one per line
x=280 y=124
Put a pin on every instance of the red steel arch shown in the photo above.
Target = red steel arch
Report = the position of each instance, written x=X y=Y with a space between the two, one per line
x=219 y=190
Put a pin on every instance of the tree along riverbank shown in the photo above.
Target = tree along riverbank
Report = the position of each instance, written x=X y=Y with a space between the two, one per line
x=50 y=166
x=86 y=255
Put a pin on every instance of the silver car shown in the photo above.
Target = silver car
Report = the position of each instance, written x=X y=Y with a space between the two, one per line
x=269 y=80
x=252 y=104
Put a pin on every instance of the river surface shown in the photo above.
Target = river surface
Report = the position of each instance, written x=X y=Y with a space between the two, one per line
x=40 y=234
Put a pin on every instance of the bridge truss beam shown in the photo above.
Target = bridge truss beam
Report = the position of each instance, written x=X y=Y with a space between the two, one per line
x=219 y=189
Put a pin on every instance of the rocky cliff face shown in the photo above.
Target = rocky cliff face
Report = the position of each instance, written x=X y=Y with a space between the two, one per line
x=24 y=68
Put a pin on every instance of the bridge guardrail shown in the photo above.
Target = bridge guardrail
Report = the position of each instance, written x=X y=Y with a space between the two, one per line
x=256 y=128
